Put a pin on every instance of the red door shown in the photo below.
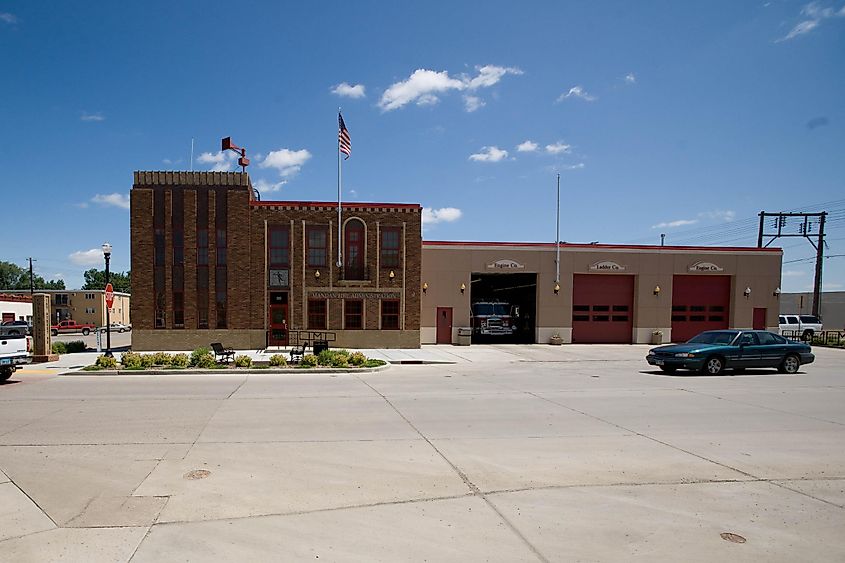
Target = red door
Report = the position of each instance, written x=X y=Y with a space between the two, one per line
x=354 y=250
x=602 y=309
x=8 y=317
x=759 y=318
x=278 y=322
x=699 y=303
x=444 y=325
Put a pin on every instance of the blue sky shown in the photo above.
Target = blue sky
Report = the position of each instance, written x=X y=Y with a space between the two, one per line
x=673 y=117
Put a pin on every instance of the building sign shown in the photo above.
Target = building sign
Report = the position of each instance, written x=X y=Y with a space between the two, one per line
x=280 y=278
x=354 y=295
x=505 y=265
x=607 y=266
x=705 y=267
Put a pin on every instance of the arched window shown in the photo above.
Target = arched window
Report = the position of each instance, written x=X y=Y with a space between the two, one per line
x=354 y=250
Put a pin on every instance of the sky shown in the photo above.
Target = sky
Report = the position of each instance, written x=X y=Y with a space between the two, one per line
x=661 y=117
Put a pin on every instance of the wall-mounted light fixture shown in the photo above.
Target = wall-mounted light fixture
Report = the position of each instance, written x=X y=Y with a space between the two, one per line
x=557 y=288
x=317 y=274
x=463 y=287
x=656 y=290
x=425 y=287
x=747 y=292
x=776 y=292
x=391 y=275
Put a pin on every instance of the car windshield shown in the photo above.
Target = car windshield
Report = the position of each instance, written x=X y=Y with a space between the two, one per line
x=721 y=337
x=490 y=309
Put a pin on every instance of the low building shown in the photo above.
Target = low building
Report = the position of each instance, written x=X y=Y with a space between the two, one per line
x=85 y=306
x=15 y=307
x=831 y=312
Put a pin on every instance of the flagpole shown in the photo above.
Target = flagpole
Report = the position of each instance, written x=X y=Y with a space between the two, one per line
x=339 y=219
x=557 y=235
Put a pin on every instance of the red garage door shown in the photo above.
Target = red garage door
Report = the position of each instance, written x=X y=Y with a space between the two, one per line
x=699 y=303
x=602 y=309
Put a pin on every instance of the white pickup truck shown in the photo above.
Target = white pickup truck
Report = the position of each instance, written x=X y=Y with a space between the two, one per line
x=14 y=351
x=804 y=325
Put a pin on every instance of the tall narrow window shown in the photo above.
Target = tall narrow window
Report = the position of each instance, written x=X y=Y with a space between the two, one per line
x=278 y=259
x=159 y=300
x=390 y=245
x=317 y=314
x=353 y=314
x=221 y=210
x=390 y=314
x=355 y=249
x=202 y=258
x=177 y=221
x=317 y=245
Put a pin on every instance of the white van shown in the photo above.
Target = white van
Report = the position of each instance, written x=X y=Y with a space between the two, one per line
x=805 y=325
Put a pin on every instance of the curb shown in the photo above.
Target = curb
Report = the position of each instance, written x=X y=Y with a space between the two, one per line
x=231 y=371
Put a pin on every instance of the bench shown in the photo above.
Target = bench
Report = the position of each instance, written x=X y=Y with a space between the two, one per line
x=297 y=352
x=221 y=354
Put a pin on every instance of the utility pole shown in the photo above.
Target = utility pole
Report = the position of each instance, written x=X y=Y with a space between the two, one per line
x=811 y=226
x=31 y=277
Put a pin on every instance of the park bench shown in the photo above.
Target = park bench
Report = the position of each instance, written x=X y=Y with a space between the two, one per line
x=221 y=354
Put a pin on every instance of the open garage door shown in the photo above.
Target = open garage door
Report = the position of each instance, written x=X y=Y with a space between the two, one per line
x=602 y=309
x=503 y=308
x=699 y=303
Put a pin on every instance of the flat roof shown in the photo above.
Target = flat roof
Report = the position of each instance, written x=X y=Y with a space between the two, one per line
x=588 y=246
x=333 y=204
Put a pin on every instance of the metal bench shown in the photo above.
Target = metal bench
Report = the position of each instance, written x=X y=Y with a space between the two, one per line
x=221 y=354
x=297 y=352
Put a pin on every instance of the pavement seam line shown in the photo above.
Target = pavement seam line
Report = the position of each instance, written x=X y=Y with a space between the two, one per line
x=463 y=476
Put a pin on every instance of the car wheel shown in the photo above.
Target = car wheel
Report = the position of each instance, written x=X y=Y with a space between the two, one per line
x=668 y=369
x=121 y=331
x=85 y=332
x=790 y=364
x=54 y=332
x=713 y=366
x=5 y=374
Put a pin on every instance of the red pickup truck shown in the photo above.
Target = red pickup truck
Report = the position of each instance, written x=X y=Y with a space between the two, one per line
x=69 y=326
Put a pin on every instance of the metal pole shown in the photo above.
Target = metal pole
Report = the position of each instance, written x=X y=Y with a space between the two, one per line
x=760 y=232
x=817 y=283
x=662 y=238
x=108 y=311
x=31 y=279
x=339 y=242
x=557 y=235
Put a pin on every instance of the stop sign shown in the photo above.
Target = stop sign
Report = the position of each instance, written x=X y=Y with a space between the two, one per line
x=109 y=295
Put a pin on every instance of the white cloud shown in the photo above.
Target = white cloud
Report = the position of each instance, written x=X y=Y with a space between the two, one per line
x=87 y=257
x=424 y=86
x=431 y=216
x=815 y=14
x=720 y=215
x=265 y=187
x=115 y=200
x=630 y=78
x=8 y=18
x=800 y=29
x=577 y=92
x=345 y=90
x=578 y=166
x=489 y=154
x=353 y=193
x=92 y=116
x=472 y=103
x=558 y=148
x=675 y=224
x=527 y=146
x=793 y=273
x=82 y=205
x=221 y=161
x=286 y=161
x=58 y=276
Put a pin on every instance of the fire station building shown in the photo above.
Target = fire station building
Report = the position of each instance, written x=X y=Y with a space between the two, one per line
x=213 y=263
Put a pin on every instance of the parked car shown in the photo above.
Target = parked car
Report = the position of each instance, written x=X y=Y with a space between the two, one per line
x=117 y=327
x=16 y=327
x=69 y=326
x=713 y=351
x=14 y=351
x=805 y=325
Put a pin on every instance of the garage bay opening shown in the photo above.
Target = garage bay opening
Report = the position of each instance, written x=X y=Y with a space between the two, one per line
x=503 y=308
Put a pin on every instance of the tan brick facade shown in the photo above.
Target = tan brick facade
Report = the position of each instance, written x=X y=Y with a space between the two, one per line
x=248 y=291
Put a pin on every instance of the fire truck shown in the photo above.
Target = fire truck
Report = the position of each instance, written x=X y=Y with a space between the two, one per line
x=494 y=318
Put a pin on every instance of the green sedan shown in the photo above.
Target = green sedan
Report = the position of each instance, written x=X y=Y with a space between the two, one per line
x=714 y=351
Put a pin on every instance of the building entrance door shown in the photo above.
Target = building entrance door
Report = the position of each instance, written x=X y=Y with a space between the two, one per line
x=444 y=325
x=278 y=322
x=354 y=250
x=759 y=319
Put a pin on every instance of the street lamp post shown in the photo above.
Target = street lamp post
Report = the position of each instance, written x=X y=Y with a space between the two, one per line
x=107 y=255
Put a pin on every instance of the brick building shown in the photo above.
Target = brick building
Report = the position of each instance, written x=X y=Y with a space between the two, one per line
x=212 y=263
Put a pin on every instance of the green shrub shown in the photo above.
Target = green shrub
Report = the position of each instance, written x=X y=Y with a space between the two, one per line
x=59 y=348
x=161 y=359
x=106 y=362
x=199 y=353
x=206 y=361
x=243 y=361
x=373 y=363
x=357 y=359
x=339 y=360
x=278 y=360
x=309 y=360
x=148 y=360
x=179 y=360
x=131 y=360
x=75 y=346
x=325 y=357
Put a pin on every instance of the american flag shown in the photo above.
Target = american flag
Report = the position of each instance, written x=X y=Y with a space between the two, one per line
x=344 y=143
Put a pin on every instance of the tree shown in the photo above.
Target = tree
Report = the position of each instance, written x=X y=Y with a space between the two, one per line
x=96 y=279
x=13 y=276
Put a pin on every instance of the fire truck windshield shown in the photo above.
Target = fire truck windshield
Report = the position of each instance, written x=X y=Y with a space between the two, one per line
x=501 y=309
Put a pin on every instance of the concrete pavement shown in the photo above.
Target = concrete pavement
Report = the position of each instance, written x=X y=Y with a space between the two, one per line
x=511 y=453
